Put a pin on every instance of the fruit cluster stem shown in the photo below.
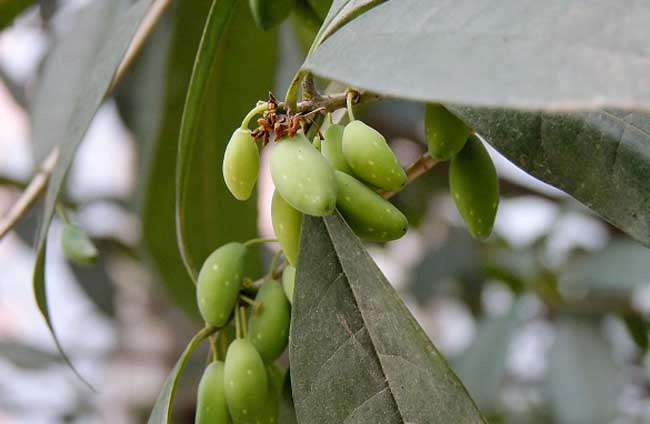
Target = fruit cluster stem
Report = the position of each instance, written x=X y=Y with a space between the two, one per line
x=423 y=164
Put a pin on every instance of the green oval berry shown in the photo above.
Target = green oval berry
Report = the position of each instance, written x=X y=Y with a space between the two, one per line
x=332 y=148
x=268 y=327
x=211 y=406
x=303 y=176
x=219 y=282
x=246 y=382
x=370 y=157
x=270 y=13
x=287 y=222
x=241 y=164
x=289 y=281
x=446 y=134
x=369 y=215
x=474 y=185
x=77 y=246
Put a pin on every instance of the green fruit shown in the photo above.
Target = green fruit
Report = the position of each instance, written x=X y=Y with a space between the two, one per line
x=77 y=246
x=241 y=164
x=289 y=281
x=332 y=148
x=287 y=222
x=246 y=382
x=474 y=186
x=446 y=134
x=219 y=282
x=211 y=406
x=268 y=327
x=369 y=215
x=369 y=156
x=303 y=176
x=270 y=13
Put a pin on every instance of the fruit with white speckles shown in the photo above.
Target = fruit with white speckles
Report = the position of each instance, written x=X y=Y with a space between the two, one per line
x=474 y=186
x=77 y=246
x=219 y=282
x=369 y=215
x=370 y=157
x=211 y=406
x=446 y=134
x=332 y=148
x=289 y=281
x=246 y=382
x=241 y=164
x=287 y=222
x=303 y=177
x=268 y=327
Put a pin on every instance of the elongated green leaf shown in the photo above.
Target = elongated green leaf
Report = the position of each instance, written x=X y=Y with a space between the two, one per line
x=197 y=92
x=523 y=54
x=162 y=409
x=583 y=382
x=9 y=9
x=357 y=355
x=242 y=73
x=25 y=356
x=123 y=20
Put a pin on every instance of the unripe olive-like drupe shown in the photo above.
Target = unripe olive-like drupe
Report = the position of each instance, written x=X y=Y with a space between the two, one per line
x=303 y=177
x=369 y=215
x=77 y=246
x=268 y=326
x=446 y=134
x=474 y=185
x=211 y=406
x=289 y=281
x=241 y=164
x=332 y=148
x=287 y=222
x=369 y=156
x=246 y=382
x=270 y=13
x=219 y=283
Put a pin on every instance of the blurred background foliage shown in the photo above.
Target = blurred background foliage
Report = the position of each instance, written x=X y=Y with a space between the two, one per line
x=546 y=322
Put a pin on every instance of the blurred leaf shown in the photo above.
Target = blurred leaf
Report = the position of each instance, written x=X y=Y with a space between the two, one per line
x=113 y=25
x=28 y=357
x=243 y=73
x=617 y=270
x=583 y=383
x=321 y=7
x=637 y=327
x=95 y=280
x=162 y=409
x=482 y=367
x=530 y=55
x=518 y=269
x=204 y=64
x=10 y=9
x=375 y=363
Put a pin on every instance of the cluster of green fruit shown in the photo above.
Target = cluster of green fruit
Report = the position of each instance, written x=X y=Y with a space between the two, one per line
x=243 y=386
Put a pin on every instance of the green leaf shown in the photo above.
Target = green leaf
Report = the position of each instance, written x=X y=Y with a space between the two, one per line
x=197 y=92
x=243 y=71
x=357 y=354
x=583 y=382
x=533 y=55
x=162 y=409
x=122 y=19
x=28 y=357
x=10 y=9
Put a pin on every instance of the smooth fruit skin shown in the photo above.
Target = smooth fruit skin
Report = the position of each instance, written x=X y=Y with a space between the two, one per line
x=303 y=177
x=287 y=223
x=270 y=13
x=219 y=282
x=474 y=186
x=332 y=148
x=268 y=326
x=246 y=382
x=211 y=406
x=77 y=246
x=289 y=282
x=446 y=134
x=369 y=215
x=370 y=157
x=241 y=164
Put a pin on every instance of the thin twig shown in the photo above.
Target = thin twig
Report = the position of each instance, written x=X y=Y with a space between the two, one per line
x=415 y=170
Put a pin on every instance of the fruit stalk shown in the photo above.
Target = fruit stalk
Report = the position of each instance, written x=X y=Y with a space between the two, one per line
x=423 y=164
